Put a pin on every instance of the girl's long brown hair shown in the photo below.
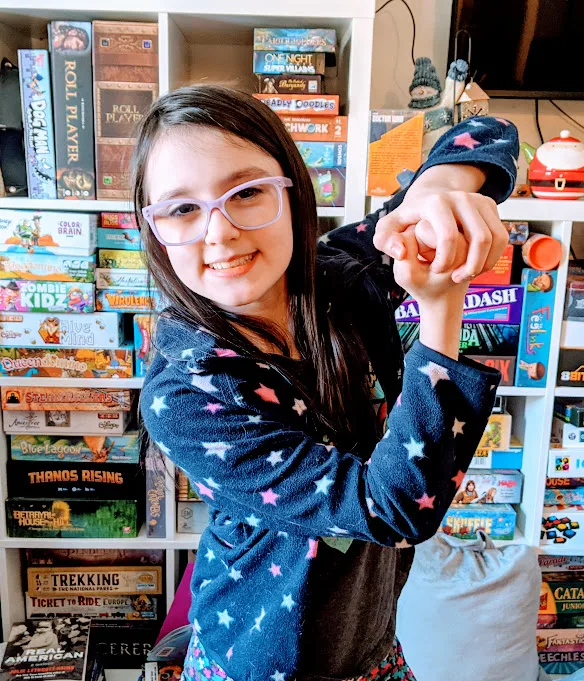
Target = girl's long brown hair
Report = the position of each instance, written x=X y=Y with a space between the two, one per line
x=327 y=341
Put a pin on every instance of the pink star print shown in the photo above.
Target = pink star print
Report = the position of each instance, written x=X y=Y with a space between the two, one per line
x=425 y=501
x=362 y=227
x=458 y=478
x=225 y=352
x=267 y=394
x=312 y=549
x=399 y=400
x=269 y=497
x=276 y=570
x=213 y=407
x=229 y=654
x=204 y=490
x=465 y=139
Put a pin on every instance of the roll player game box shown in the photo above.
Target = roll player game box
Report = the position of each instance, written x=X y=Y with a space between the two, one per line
x=35 y=267
x=76 y=449
x=25 y=398
x=464 y=520
x=17 y=295
x=65 y=422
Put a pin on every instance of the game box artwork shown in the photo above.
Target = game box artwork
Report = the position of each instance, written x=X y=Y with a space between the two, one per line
x=493 y=487
x=95 y=581
x=329 y=186
x=17 y=295
x=128 y=300
x=118 y=278
x=296 y=63
x=26 y=398
x=463 y=521
x=62 y=557
x=73 y=518
x=142 y=607
x=144 y=327
x=497 y=434
x=571 y=367
x=47 y=232
x=37 y=108
x=297 y=85
x=60 y=422
x=118 y=221
x=295 y=39
x=566 y=463
x=125 y=239
x=316 y=128
x=560 y=651
x=500 y=275
x=33 y=329
x=67 y=362
x=87 y=448
x=124 y=260
x=313 y=105
x=567 y=434
x=564 y=497
x=323 y=154
x=551 y=563
x=512 y=459
x=47 y=267
x=561 y=525
x=570 y=411
x=506 y=365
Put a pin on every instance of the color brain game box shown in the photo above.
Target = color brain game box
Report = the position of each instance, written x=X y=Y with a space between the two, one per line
x=33 y=267
x=46 y=296
x=26 y=398
x=76 y=449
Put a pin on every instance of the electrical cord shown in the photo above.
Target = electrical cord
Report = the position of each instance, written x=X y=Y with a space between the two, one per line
x=567 y=115
x=537 y=120
x=385 y=4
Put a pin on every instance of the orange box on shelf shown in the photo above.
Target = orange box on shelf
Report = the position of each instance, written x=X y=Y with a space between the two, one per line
x=500 y=275
x=300 y=105
x=316 y=128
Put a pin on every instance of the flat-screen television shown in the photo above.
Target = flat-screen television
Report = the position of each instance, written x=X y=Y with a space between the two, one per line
x=522 y=48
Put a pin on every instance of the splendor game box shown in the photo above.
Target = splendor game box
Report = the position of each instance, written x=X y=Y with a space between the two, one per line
x=46 y=232
x=61 y=422
x=73 y=518
x=141 y=607
x=492 y=487
x=561 y=525
x=94 y=580
x=25 y=398
x=18 y=295
x=118 y=278
x=35 y=267
x=34 y=329
x=67 y=362
x=118 y=259
x=463 y=521
x=560 y=651
x=88 y=448
x=128 y=300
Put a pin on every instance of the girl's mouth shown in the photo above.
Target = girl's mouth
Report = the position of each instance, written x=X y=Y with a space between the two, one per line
x=234 y=267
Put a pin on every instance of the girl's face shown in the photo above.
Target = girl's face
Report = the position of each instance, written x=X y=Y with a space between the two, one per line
x=203 y=163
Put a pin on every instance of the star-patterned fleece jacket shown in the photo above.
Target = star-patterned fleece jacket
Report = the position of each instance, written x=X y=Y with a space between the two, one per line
x=272 y=599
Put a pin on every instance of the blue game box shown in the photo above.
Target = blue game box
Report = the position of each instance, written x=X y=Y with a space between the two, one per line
x=323 y=154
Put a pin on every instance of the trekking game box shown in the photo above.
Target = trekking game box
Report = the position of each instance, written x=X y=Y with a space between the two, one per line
x=18 y=295
x=86 y=399
x=97 y=581
x=463 y=521
x=33 y=267
x=65 y=422
x=87 y=448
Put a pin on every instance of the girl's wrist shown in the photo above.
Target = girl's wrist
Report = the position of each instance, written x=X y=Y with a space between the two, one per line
x=441 y=321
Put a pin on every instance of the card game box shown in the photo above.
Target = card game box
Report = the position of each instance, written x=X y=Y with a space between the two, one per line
x=124 y=260
x=323 y=154
x=464 y=520
x=76 y=557
x=506 y=365
x=565 y=483
x=118 y=221
x=19 y=295
x=551 y=563
x=47 y=232
x=295 y=39
x=65 y=422
x=570 y=411
x=297 y=63
x=482 y=305
x=329 y=186
x=108 y=449
x=536 y=326
x=500 y=275
x=512 y=459
x=566 y=463
x=67 y=362
x=124 y=239
x=118 y=278
x=140 y=607
x=128 y=300
x=94 y=580
x=571 y=368
x=560 y=651
x=26 y=398
x=563 y=497
x=33 y=267
x=37 y=110
x=290 y=85
x=561 y=525
x=73 y=518
x=311 y=105
x=191 y=517
x=494 y=487
x=316 y=128
x=144 y=328
x=497 y=434
x=120 y=645
x=566 y=434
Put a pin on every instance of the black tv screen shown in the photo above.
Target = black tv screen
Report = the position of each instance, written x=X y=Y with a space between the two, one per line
x=522 y=48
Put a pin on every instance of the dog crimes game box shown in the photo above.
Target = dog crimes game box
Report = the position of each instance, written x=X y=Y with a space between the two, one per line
x=33 y=267
x=141 y=607
x=463 y=521
x=87 y=448
x=94 y=581
x=60 y=422
x=46 y=296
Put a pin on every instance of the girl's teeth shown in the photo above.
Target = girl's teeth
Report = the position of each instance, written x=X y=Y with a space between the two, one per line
x=231 y=263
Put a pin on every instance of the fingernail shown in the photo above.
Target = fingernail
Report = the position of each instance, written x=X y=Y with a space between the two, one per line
x=396 y=251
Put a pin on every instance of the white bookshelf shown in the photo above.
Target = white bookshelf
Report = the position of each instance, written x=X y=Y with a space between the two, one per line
x=199 y=41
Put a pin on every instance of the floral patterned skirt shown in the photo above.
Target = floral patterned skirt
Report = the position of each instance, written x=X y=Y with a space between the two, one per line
x=199 y=667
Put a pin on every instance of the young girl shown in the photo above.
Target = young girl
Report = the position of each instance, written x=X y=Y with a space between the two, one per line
x=277 y=364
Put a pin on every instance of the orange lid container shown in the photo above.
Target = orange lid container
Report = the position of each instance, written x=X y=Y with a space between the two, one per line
x=542 y=252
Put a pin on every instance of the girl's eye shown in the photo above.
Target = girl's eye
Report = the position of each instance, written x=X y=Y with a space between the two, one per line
x=182 y=209
x=249 y=193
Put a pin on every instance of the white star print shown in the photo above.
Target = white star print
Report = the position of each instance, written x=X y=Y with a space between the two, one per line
x=385 y=259
x=275 y=457
x=197 y=627
x=212 y=483
x=370 y=502
x=415 y=449
x=205 y=583
x=324 y=239
x=203 y=383
x=278 y=676
x=263 y=366
x=258 y=621
x=500 y=141
x=435 y=373
x=299 y=407
x=254 y=419
x=457 y=427
x=216 y=449
x=158 y=404
x=287 y=602
x=252 y=520
x=163 y=448
x=337 y=530
x=238 y=400
x=224 y=618
x=187 y=353
x=515 y=162
x=210 y=555
x=283 y=534
x=476 y=124
x=322 y=485
x=235 y=574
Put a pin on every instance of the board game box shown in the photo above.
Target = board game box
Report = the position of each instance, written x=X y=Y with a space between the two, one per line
x=295 y=39
x=316 y=128
x=118 y=278
x=312 y=105
x=536 y=325
x=560 y=651
x=72 y=78
x=118 y=221
x=494 y=487
x=67 y=362
x=329 y=186
x=497 y=434
x=561 y=593
x=185 y=491
x=19 y=295
x=506 y=365
x=33 y=267
x=323 y=154
x=128 y=300
x=88 y=448
x=500 y=275
x=570 y=411
x=566 y=463
x=571 y=368
x=32 y=329
x=551 y=563
x=46 y=232
x=564 y=497
x=94 y=580
x=76 y=557
x=512 y=459
x=561 y=525
x=118 y=259
x=26 y=398
x=73 y=518
x=191 y=517
x=156 y=486
x=141 y=607
x=65 y=422
x=567 y=434
x=37 y=110
x=463 y=521
x=144 y=327
x=565 y=483
x=297 y=63
x=124 y=239
x=299 y=85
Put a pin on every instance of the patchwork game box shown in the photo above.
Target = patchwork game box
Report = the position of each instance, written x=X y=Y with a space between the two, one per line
x=88 y=448
x=297 y=63
x=124 y=260
x=128 y=300
x=463 y=521
x=73 y=518
x=18 y=295
x=33 y=329
x=313 y=105
x=94 y=580
x=144 y=327
x=329 y=186
x=65 y=422
x=493 y=487
x=323 y=154
x=25 y=398
x=316 y=128
x=47 y=232
x=295 y=39
x=297 y=85
x=137 y=607
x=561 y=525
x=125 y=239
x=67 y=362
x=560 y=651
x=119 y=278
x=33 y=267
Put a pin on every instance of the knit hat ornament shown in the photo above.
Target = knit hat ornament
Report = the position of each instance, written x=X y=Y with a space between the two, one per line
x=425 y=88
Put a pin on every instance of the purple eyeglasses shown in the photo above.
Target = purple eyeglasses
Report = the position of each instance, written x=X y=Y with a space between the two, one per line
x=251 y=205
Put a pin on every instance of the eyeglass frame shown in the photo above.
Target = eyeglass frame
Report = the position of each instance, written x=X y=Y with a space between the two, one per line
x=278 y=181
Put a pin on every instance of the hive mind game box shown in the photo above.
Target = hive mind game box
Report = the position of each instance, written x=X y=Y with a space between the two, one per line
x=141 y=607
x=118 y=278
x=464 y=520
x=32 y=329
x=26 y=398
x=67 y=362
x=87 y=448
x=313 y=105
x=35 y=267
x=560 y=651
x=94 y=581
x=496 y=486
x=316 y=128
x=61 y=422
x=561 y=525
x=45 y=232
x=41 y=296
x=73 y=518
x=128 y=300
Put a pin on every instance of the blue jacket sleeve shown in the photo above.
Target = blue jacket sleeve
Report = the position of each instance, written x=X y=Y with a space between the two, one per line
x=250 y=459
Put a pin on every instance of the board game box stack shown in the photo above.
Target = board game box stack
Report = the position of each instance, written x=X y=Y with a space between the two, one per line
x=571 y=364
x=192 y=515
x=292 y=66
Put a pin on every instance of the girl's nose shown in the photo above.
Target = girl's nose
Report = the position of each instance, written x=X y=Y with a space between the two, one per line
x=220 y=229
